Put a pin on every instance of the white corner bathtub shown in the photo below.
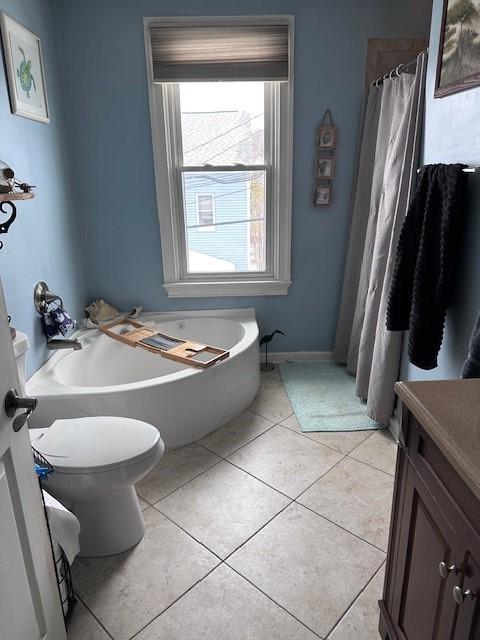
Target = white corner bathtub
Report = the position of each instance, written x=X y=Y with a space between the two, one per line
x=108 y=378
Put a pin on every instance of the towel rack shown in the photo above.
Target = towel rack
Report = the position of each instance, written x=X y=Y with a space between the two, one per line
x=466 y=170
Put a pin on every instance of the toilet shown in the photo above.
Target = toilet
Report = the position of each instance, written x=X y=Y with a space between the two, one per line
x=97 y=460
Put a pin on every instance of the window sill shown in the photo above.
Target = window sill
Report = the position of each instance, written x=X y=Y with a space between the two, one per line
x=227 y=288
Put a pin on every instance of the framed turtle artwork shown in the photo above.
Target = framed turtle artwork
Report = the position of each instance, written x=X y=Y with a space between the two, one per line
x=25 y=73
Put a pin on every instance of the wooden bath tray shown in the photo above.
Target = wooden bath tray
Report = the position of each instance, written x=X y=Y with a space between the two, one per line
x=184 y=351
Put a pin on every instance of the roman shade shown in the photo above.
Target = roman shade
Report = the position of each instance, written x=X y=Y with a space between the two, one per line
x=183 y=53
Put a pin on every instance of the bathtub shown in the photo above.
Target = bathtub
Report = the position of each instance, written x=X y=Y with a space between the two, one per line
x=108 y=378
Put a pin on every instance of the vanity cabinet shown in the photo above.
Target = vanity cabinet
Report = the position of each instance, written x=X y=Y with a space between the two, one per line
x=432 y=583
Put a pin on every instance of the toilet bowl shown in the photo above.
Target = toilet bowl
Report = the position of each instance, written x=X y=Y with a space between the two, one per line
x=98 y=461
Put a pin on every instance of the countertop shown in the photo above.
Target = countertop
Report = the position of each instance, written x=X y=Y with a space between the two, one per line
x=449 y=411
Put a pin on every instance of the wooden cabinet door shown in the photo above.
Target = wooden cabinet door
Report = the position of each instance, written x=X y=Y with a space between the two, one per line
x=422 y=607
x=468 y=619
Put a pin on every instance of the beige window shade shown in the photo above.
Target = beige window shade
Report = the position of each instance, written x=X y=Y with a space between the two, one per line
x=220 y=52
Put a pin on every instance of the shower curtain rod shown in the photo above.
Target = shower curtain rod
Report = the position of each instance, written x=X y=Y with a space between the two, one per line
x=466 y=170
x=397 y=70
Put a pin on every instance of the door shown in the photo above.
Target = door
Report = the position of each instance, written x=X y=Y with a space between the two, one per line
x=30 y=606
x=467 y=594
x=423 y=607
x=384 y=54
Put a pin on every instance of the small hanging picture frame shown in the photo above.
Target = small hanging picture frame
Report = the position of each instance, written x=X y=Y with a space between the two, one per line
x=322 y=195
x=324 y=167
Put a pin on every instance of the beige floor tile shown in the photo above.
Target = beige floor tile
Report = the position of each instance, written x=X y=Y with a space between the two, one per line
x=308 y=565
x=285 y=460
x=225 y=606
x=355 y=496
x=361 y=620
x=83 y=626
x=176 y=467
x=236 y=433
x=223 y=507
x=127 y=591
x=272 y=401
x=342 y=441
x=380 y=450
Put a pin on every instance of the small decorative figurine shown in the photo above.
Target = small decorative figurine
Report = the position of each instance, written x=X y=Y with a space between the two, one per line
x=268 y=366
x=101 y=311
x=7 y=181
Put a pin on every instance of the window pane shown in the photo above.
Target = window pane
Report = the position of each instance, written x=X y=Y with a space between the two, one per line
x=236 y=241
x=222 y=123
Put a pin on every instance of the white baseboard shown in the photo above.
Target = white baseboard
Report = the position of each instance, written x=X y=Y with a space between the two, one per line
x=394 y=425
x=297 y=356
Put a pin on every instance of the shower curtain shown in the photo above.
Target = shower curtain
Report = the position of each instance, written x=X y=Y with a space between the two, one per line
x=372 y=352
x=360 y=211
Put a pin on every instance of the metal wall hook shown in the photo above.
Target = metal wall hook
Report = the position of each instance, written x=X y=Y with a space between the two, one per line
x=42 y=297
x=4 y=226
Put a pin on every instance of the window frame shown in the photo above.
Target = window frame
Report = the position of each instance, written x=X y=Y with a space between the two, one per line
x=164 y=112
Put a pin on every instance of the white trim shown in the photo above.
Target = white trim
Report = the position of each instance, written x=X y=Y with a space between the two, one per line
x=394 y=426
x=276 y=280
x=297 y=356
x=225 y=288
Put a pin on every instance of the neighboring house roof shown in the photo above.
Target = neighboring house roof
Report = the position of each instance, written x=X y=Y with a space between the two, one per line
x=221 y=137
x=203 y=263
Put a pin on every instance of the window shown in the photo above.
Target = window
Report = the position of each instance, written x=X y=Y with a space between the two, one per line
x=221 y=109
x=205 y=212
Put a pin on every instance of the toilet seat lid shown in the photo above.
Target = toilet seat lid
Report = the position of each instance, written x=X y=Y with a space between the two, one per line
x=96 y=443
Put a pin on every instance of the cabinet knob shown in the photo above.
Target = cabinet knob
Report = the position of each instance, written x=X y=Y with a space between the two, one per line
x=459 y=595
x=445 y=569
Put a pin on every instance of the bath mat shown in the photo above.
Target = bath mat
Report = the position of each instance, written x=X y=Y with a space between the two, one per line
x=323 y=397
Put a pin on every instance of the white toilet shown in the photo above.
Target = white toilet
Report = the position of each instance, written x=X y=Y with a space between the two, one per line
x=98 y=461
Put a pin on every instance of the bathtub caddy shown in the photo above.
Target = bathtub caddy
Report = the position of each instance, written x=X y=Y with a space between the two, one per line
x=178 y=349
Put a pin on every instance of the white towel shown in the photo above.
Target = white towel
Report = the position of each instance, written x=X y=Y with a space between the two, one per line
x=64 y=526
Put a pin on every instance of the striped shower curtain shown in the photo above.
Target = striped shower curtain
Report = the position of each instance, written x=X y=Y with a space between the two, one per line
x=363 y=343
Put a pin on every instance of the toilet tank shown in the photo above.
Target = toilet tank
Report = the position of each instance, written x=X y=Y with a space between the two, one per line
x=20 y=348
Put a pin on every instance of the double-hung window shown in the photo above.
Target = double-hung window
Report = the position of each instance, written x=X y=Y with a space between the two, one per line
x=221 y=99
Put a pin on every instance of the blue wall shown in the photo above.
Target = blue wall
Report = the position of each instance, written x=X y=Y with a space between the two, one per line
x=43 y=243
x=452 y=134
x=103 y=62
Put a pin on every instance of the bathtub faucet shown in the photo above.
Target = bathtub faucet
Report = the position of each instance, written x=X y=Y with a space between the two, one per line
x=58 y=343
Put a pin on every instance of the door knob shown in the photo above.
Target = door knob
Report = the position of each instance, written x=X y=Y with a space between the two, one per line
x=445 y=569
x=459 y=595
x=13 y=402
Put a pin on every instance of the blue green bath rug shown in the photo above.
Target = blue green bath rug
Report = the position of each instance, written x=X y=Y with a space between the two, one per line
x=323 y=397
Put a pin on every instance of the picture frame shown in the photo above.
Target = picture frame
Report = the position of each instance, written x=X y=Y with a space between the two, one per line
x=25 y=70
x=324 y=167
x=458 y=63
x=322 y=195
x=326 y=137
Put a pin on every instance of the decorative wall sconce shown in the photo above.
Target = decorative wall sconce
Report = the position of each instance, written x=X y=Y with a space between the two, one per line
x=10 y=191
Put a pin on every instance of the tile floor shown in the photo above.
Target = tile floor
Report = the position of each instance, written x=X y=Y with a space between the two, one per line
x=256 y=532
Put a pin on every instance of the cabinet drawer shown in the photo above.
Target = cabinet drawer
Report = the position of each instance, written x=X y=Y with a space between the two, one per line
x=456 y=501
